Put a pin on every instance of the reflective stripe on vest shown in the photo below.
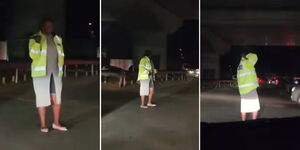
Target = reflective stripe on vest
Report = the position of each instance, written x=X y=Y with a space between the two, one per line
x=246 y=73
x=144 y=75
x=38 y=51
x=247 y=85
x=41 y=68
x=145 y=66
x=60 y=68
x=60 y=53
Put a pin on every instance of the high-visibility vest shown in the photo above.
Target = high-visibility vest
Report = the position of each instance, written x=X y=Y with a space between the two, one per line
x=145 y=67
x=246 y=74
x=38 y=54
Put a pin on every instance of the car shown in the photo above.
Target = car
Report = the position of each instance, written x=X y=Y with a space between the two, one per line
x=290 y=82
x=193 y=73
x=296 y=80
x=295 y=94
x=272 y=79
x=261 y=80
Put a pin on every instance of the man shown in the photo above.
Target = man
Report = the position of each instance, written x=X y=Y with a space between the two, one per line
x=146 y=78
x=47 y=54
x=247 y=84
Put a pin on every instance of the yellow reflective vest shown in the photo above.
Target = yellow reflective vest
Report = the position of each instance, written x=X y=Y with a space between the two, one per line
x=38 y=54
x=246 y=74
x=145 y=67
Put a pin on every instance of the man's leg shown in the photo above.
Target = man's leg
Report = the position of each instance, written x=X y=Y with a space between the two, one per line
x=151 y=93
x=143 y=100
x=56 y=110
x=42 y=115
x=56 y=113
x=144 y=91
x=254 y=115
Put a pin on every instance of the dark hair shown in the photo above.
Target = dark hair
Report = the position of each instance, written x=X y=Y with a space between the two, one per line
x=45 y=20
x=148 y=53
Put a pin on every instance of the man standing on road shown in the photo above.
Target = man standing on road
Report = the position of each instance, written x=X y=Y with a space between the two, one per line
x=146 y=78
x=46 y=52
x=247 y=84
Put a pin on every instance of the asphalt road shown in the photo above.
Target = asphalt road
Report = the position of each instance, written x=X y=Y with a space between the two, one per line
x=19 y=124
x=172 y=125
x=276 y=128
x=223 y=105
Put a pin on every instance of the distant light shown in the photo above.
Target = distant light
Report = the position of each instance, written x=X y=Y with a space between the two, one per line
x=180 y=49
x=90 y=23
x=191 y=71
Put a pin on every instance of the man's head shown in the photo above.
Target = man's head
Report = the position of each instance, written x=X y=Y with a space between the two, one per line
x=252 y=57
x=47 y=26
x=148 y=53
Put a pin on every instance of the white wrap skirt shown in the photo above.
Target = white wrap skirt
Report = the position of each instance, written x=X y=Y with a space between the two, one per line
x=42 y=89
x=145 y=86
x=250 y=102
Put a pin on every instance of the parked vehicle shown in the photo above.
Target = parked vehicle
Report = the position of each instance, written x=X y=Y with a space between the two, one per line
x=296 y=80
x=295 y=94
x=261 y=80
x=272 y=79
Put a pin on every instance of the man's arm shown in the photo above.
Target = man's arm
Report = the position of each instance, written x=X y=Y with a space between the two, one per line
x=143 y=64
x=34 y=48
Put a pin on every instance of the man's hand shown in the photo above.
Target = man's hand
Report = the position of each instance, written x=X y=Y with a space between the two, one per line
x=37 y=39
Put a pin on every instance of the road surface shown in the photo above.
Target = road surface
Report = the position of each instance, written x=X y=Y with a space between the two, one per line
x=223 y=105
x=19 y=124
x=172 y=125
x=276 y=128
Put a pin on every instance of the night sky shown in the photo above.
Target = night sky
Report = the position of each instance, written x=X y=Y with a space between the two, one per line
x=4 y=19
x=269 y=28
x=187 y=39
x=281 y=60
x=82 y=18
x=79 y=14
x=81 y=39
x=142 y=16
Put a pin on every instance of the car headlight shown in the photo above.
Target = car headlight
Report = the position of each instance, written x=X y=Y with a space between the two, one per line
x=191 y=72
x=293 y=89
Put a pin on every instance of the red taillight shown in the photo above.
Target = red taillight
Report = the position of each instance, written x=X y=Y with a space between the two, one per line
x=260 y=80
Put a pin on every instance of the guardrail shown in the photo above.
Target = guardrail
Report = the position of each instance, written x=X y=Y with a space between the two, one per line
x=218 y=84
x=126 y=77
x=81 y=67
x=15 y=72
